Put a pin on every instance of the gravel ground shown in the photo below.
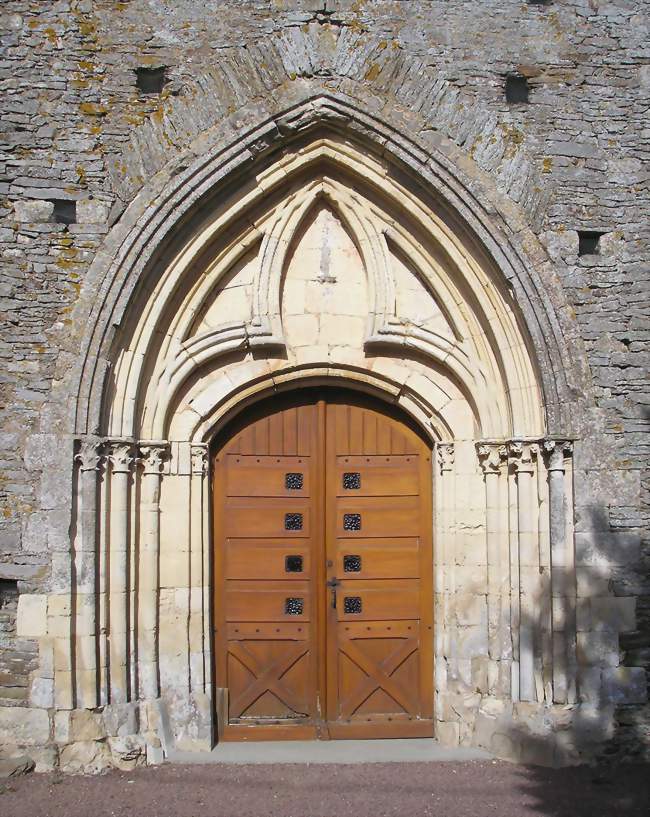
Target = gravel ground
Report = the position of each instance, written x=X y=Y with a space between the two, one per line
x=471 y=789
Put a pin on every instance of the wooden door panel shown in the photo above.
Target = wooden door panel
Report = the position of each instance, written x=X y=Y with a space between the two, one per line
x=288 y=560
x=268 y=601
x=378 y=559
x=263 y=517
x=378 y=602
x=269 y=476
x=386 y=516
x=269 y=679
x=377 y=476
x=377 y=676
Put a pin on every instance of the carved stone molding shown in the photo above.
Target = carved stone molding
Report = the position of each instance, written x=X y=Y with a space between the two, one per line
x=556 y=450
x=446 y=456
x=89 y=455
x=199 y=453
x=153 y=456
x=522 y=455
x=491 y=456
x=121 y=455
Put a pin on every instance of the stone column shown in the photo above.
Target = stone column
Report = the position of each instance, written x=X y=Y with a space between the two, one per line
x=492 y=457
x=563 y=576
x=86 y=676
x=152 y=455
x=198 y=575
x=444 y=574
x=522 y=455
x=120 y=455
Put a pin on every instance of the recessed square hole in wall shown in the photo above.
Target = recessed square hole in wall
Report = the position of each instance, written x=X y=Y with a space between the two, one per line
x=589 y=242
x=8 y=592
x=516 y=88
x=151 y=80
x=65 y=211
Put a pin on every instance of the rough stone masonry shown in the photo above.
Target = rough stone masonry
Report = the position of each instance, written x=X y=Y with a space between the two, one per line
x=543 y=104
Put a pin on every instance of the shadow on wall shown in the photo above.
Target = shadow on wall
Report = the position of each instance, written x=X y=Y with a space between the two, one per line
x=618 y=783
x=611 y=727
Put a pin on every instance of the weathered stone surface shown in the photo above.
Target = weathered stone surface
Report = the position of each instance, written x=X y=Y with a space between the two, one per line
x=16 y=766
x=128 y=752
x=625 y=685
x=89 y=757
x=24 y=727
x=33 y=211
x=31 y=621
x=86 y=726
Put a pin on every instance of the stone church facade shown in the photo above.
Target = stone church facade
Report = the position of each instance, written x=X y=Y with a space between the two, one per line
x=437 y=207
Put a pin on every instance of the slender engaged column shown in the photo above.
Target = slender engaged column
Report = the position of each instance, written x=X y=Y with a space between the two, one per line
x=121 y=460
x=86 y=681
x=152 y=455
x=544 y=657
x=563 y=575
x=198 y=544
x=445 y=578
x=522 y=457
x=492 y=457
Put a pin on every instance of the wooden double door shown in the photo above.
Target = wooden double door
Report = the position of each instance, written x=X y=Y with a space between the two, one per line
x=323 y=573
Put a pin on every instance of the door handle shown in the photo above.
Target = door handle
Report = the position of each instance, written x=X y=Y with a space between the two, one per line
x=333 y=584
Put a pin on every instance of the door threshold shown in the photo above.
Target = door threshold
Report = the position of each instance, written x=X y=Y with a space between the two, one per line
x=395 y=750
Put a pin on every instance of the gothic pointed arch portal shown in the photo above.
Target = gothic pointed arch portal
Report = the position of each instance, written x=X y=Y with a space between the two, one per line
x=328 y=264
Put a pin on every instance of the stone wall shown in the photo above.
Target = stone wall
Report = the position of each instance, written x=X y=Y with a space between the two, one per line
x=81 y=141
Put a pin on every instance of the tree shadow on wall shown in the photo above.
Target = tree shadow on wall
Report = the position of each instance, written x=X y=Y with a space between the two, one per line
x=605 y=785
x=609 y=732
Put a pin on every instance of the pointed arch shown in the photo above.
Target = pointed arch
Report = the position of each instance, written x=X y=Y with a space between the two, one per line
x=200 y=205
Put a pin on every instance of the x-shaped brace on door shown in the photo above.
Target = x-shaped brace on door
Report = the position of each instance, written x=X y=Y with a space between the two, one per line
x=266 y=680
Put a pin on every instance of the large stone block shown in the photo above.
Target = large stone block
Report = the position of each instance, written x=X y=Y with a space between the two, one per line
x=86 y=726
x=35 y=211
x=616 y=614
x=122 y=719
x=598 y=648
x=128 y=751
x=92 y=211
x=16 y=766
x=89 y=757
x=31 y=620
x=42 y=693
x=607 y=547
x=24 y=727
x=625 y=685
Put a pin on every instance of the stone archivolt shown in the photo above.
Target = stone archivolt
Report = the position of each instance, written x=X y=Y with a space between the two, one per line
x=475 y=339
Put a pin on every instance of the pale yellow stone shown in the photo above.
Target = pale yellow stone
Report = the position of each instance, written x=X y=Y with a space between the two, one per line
x=31 y=618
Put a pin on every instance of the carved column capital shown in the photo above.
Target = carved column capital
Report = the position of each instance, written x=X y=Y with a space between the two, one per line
x=491 y=456
x=121 y=455
x=522 y=454
x=89 y=455
x=556 y=450
x=446 y=456
x=199 y=454
x=152 y=456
